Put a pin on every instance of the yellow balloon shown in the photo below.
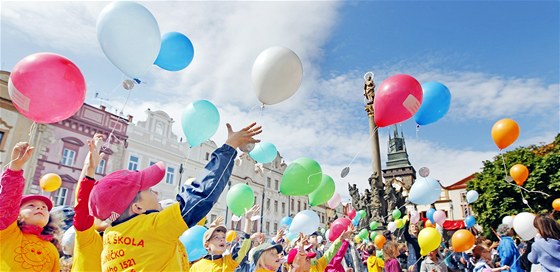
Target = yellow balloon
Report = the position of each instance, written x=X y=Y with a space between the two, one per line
x=405 y=218
x=357 y=239
x=429 y=240
x=399 y=223
x=50 y=182
x=230 y=236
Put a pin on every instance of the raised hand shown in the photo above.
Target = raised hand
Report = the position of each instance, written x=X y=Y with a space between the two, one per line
x=219 y=221
x=348 y=233
x=279 y=235
x=20 y=155
x=255 y=210
x=244 y=136
x=93 y=157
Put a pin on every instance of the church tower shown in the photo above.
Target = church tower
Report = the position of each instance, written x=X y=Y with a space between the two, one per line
x=398 y=167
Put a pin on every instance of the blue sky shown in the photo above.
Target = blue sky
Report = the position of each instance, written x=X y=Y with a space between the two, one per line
x=499 y=59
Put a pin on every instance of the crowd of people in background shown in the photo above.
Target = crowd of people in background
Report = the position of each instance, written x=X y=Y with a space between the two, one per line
x=119 y=225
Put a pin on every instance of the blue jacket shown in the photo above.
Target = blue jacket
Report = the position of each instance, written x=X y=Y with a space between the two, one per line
x=509 y=255
x=197 y=199
x=547 y=253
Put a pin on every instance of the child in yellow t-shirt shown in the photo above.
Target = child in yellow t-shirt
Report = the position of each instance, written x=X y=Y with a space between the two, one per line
x=374 y=262
x=142 y=236
x=28 y=235
x=214 y=240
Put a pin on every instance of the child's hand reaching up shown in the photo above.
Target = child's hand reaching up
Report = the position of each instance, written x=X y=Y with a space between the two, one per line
x=20 y=155
x=244 y=136
x=93 y=157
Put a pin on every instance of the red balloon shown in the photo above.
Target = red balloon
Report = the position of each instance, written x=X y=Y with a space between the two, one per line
x=351 y=213
x=397 y=99
x=338 y=226
x=46 y=87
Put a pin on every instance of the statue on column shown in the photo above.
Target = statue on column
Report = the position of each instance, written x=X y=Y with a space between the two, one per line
x=369 y=87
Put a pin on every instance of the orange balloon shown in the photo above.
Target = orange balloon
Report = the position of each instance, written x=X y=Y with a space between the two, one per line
x=519 y=173
x=50 y=182
x=429 y=224
x=379 y=241
x=556 y=204
x=505 y=132
x=230 y=236
x=462 y=240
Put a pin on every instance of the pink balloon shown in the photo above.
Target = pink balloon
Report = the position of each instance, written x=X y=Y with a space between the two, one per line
x=46 y=87
x=398 y=98
x=414 y=217
x=439 y=217
x=338 y=226
x=334 y=201
x=351 y=213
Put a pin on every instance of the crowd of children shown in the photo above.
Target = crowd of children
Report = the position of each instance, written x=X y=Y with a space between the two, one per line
x=119 y=225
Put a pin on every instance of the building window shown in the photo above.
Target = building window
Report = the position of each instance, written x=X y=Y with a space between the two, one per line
x=60 y=196
x=170 y=175
x=3 y=138
x=275 y=205
x=212 y=218
x=255 y=200
x=101 y=167
x=159 y=128
x=133 y=162
x=267 y=227
x=305 y=206
x=276 y=184
x=299 y=206
x=283 y=208
x=268 y=203
x=275 y=227
x=152 y=163
x=268 y=182
x=255 y=227
x=68 y=157
x=292 y=206
x=207 y=156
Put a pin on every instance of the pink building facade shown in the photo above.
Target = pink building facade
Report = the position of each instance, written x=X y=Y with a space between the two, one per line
x=62 y=148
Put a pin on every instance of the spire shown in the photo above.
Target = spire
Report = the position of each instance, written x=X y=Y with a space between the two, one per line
x=395 y=131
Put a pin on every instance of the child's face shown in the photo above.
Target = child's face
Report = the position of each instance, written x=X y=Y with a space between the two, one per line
x=217 y=243
x=271 y=259
x=34 y=212
x=149 y=200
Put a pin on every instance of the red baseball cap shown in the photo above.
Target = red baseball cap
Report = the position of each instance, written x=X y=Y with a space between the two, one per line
x=294 y=251
x=112 y=194
x=27 y=198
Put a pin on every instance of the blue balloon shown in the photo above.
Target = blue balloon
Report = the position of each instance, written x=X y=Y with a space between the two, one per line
x=200 y=121
x=470 y=221
x=430 y=214
x=192 y=240
x=424 y=191
x=286 y=221
x=291 y=236
x=356 y=220
x=435 y=103
x=264 y=152
x=176 y=52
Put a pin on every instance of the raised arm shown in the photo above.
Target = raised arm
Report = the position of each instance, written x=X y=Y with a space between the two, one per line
x=12 y=183
x=197 y=199
x=82 y=218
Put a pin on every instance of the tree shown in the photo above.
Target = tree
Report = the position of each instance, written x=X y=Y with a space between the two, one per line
x=499 y=198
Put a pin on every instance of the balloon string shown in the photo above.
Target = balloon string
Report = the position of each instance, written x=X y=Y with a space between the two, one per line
x=360 y=151
x=111 y=135
x=32 y=129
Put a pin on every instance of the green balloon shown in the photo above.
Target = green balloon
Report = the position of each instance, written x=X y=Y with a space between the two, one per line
x=301 y=177
x=363 y=234
x=362 y=213
x=323 y=193
x=396 y=214
x=240 y=197
x=373 y=225
x=372 y=235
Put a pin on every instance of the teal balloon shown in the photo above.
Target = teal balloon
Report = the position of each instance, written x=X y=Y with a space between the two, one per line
x=200 y=121
x=301 y=177
x=264 y=152
x=372 y=235
x=435 y=103
x=291 y=236
x=373 y=225
x=240 y=197
x=192 y=240
x=323 y=193
x=430 y=214
x=176 y=52
x=396 y=214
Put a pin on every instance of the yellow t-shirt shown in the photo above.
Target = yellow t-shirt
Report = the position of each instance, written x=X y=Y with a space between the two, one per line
x=375 y=264
x=186 y=266
x=26 y=252
x=320 y=265
x=147 y=242
x=87 y=251
x=224 y=264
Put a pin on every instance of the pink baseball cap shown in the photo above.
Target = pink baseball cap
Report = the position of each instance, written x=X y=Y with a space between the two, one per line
x=112 y=194
x=294 y=251
x=27 y=198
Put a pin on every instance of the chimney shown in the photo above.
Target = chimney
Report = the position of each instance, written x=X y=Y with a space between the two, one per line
x=130 y=118
x=102 y=107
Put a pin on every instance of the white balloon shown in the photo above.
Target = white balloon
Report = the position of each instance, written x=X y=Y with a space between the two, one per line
x=472 y=196
x=523 y=225
x=508 y=220
x=68 y=241
x=392 y=226
x=306 y=221
x=129 y=36
x=439 y=217
x=414 y=217
x=276 y=75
